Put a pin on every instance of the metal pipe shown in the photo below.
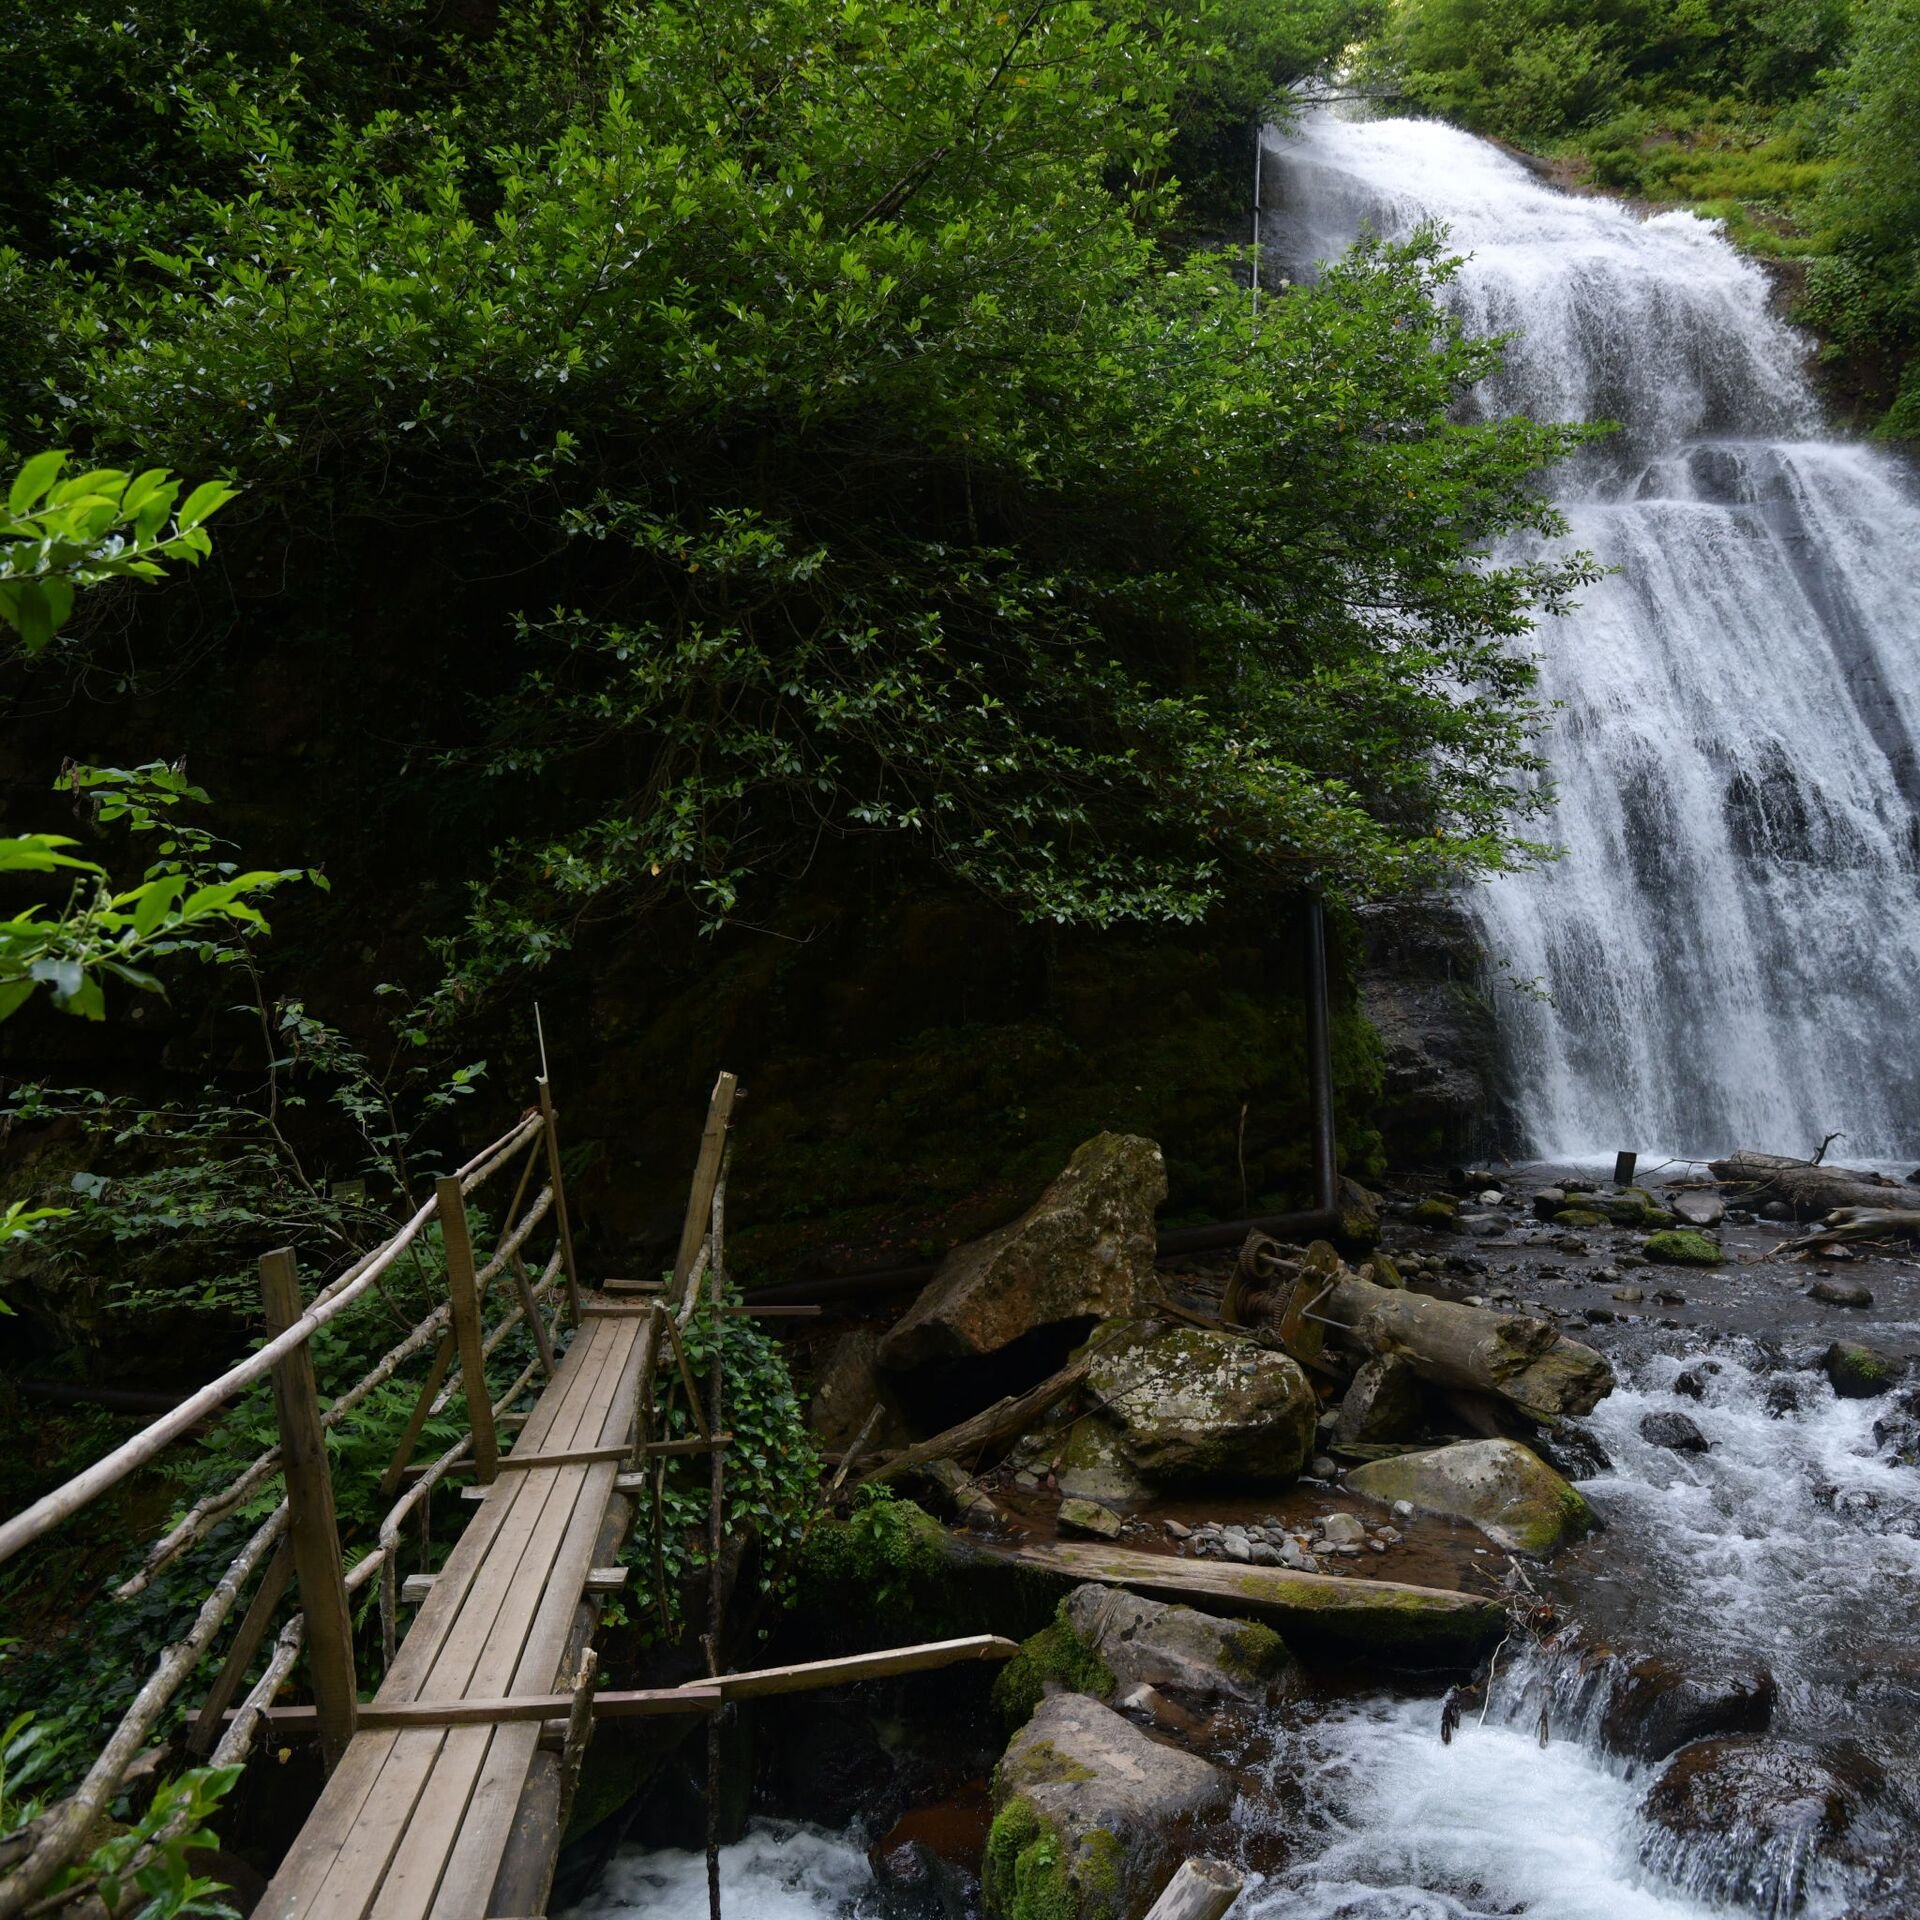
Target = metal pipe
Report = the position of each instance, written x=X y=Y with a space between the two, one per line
x=1326 y=1189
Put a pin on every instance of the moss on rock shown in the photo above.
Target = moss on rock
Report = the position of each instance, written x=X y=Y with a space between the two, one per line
x=1057 y=1654
x=1682 y=1247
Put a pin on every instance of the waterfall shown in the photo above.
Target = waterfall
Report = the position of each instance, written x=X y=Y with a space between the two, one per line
x=1729 y=951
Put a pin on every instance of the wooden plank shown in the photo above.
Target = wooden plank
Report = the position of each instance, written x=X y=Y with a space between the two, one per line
x=565 y=1457
x=848 y=1668
x=1381 y=1614
x=706 y=1176
x=637 y=1703
x=1201 y=1890
x=633 y=1286
x=468 y=1334
x=313 y=1529
x=416 y=1586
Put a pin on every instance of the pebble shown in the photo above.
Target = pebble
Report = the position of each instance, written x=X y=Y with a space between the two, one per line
x=1632 y=1295
x=1349 y=1551
x=1325 y=1468
x=1177 y=1530
x=1263 y=1555
x=1492 y=1197
x=1236 y=1547
x=1377 y=1546
x=1403 y=1509
x=1668 y=1298
x=1342 y=1528
x=1027 y=1480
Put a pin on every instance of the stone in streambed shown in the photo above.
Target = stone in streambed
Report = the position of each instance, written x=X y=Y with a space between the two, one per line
x=1702 y=1210
x=1082 y=1250
x=1089 y=1517
x=1860 y=1372
x=1585 y=1217
x=1092 y=1467
x=1840 y=1293
x=1085 y=1807
x=1655 y=1707
x=1385 y=1402
x=1499 y=1486
x=1186 y=1403
x=1147 y=1641
x=1673 y=1430
x=1681 y=1247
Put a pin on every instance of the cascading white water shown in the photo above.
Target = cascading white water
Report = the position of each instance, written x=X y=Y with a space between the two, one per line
x=1730 y=948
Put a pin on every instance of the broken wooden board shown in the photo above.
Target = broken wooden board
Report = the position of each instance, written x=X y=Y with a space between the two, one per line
x=1423 y=1625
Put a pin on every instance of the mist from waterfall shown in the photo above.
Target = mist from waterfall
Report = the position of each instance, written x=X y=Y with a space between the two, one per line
x=1729 y=951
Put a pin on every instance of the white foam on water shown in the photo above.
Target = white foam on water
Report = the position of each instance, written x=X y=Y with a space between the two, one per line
x=779 y=1871
x=1731 y=946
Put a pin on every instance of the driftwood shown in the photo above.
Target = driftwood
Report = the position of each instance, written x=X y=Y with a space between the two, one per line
x=1524 y=1361
x=1859 y=1223
x=1813 y=1190
x=1376 y=1616
x=1201 y=1890
x=1005 y=1420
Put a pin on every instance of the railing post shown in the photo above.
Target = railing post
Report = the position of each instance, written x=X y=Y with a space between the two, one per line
x=465 y=1298
x=316 y=1535
x=562 y=1218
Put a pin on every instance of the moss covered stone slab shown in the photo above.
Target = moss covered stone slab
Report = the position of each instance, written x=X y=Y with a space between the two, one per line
x=1085 y=1807
x=1501 y=1487
x=1082 y=1250
x=1684 y=1248
x=1152 y=1642
x=1422 y=1626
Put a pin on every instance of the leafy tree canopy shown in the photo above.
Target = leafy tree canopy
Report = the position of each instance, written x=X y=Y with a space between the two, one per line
x=866 y=473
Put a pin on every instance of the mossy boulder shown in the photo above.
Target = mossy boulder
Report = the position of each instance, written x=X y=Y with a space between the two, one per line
x=1437 y=1210
x=1147 y=1642
x=1860 y=1372
x=1083 y=1250
x=1085 y=1806
x=1056 y=1659
x=1188 y=1404
x=1092 y=1466
x=1682 y=1247
x=1499 y=1486
x=1585 y=1217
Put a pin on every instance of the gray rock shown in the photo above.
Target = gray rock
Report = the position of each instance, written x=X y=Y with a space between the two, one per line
x=1082 y=1250
x=849 y=1387
x=1673 y=1430
x=1180 y=1647
x=1385 y=1403
x=1549 y=1201
x=1085 y=1807
x=1655 y=1707
x=1092 y=1467
x=1325 y=1467
x=1698 y=1209
x=1186 y=1404
x=1089 y=1517
x=1236 y=1546
x=1841 y=1293
x=1342 y=1529
x=1501 y=1487
x=1860 y=1372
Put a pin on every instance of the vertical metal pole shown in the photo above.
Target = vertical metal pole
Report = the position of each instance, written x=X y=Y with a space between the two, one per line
x=560 y=1214
x=465 y=1298
x=716 y=1524
x=1326 y=1191
x=316 y=1534
x=1259 y=156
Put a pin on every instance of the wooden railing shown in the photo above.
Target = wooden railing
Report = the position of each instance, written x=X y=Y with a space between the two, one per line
x=300 y=1541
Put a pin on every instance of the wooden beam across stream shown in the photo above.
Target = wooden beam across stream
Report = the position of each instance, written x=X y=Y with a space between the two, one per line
x=699 y=1696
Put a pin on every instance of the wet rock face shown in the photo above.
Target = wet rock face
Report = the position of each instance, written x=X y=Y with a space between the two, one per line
x=1501 y=1487
x=1188 y=1404
x=1655 y=1707
x=848 y=1390
x=1739 y=1818
x=1674 y=1430
x=1146 y=1642
x=1385 y=1403
x=1860 y=1372
x=1085 y=1805
x=1082 y=1250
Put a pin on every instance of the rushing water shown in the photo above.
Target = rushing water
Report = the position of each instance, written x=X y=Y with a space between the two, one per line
x=1731 y=946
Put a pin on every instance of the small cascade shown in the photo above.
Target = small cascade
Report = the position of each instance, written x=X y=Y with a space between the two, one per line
x=1731 y=946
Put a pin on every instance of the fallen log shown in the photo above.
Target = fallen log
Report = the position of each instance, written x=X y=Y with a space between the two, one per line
x=1430 y=1624
x=1859 y=1223
x=1812 y=1190
x=1526 y=1362
x=1004 y=1421
x=1201 y=1890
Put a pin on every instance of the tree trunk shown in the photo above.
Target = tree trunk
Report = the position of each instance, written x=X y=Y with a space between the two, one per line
x=1521 y=1360
x=1809 y=1189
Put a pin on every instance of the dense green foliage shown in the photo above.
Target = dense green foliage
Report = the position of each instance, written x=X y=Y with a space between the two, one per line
x=1789 y=119
x=866 y=477
x=1056 y=1653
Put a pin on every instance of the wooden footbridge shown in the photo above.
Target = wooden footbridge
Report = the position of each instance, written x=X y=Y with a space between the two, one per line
x=448 y=1792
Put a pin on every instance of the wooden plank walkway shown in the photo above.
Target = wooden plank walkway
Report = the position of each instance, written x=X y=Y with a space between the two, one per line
x=414 y=1822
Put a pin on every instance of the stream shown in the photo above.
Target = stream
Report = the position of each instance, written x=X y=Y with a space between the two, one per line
x=1732 y=948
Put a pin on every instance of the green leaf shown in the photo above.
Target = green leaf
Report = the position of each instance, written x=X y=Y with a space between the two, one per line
x=33 y=480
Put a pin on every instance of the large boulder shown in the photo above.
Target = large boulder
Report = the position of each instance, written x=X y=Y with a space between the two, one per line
x=1082 y=1251
x=1501 y=1487
x=1740 y=1819
x=1084 y=1808
x=1655 y=1707
x=1187 y=1403
x=847 y=1391
x=1146 y=1642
